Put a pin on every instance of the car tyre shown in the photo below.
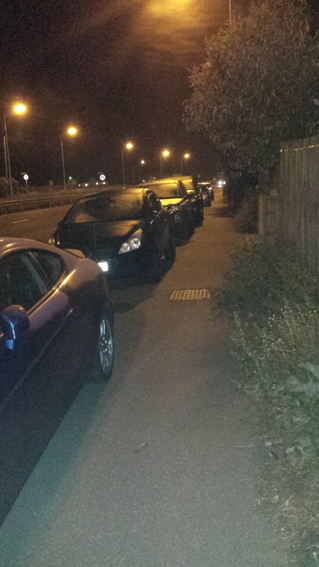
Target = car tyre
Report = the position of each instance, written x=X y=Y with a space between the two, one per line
x=188 y=229
x=170 y=253
x=104 y=352
x=153 y=266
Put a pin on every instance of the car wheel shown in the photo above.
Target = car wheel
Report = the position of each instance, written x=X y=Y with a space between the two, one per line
x=191 y=228
x=104 y=353
x=153 y=267
x=199 y=218
x=170 y=253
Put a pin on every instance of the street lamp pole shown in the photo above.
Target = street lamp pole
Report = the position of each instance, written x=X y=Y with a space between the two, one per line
x=164 y=154
x=123 y=169
x=128 y=146
x=63 y=162
x=229 y=11
x=185 y=156
x=7 y=155
x=72 y=132
x=18 y=109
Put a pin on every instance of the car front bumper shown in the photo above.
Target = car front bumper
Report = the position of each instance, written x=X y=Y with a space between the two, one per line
x=121 y=265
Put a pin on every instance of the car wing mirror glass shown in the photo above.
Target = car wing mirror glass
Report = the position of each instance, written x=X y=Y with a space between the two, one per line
x=14 y=322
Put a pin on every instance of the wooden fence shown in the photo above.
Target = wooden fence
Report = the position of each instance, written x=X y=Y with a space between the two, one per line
x=299 y=197
x=290 y=205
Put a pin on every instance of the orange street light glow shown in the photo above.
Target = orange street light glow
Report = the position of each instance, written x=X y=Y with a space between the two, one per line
x=19 y=108
x=165 y=153
x=129 y=146
x=186 y=156
x=72 y=131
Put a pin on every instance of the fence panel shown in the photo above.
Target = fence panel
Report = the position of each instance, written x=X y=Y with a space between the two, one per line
x=299 y=197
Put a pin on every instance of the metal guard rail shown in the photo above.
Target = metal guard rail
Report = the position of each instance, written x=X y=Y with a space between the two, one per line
x=19 y=205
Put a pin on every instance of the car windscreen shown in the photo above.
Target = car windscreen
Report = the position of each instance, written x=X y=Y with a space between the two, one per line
x=166 y=190
x=188 y=185
x=106 y=209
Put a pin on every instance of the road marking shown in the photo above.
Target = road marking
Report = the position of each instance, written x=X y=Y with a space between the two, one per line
x=18 y=221
x=188 y=294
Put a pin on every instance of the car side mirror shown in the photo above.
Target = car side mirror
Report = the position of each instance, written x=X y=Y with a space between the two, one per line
x=14 y=322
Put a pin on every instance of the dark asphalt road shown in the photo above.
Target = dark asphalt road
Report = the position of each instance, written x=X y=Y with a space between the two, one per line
x=159 y=467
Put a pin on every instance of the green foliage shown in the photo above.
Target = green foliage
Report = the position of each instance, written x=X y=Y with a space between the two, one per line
x=275 y=339
x=269 y=353
x=246 y=219
x=264 y=277
x=257 y=85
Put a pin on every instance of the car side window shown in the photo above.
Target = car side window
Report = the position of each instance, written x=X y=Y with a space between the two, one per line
x=52 y=264
x=20 y=283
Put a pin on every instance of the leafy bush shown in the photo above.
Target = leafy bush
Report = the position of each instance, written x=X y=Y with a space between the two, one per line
x=271 y=352
x=264 y=277
x=276 y=336
x=246 y=219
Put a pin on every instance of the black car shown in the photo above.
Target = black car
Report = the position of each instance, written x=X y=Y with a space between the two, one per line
x=207 y=191
x=195 y=194
x=175 y=199
x=125 y=230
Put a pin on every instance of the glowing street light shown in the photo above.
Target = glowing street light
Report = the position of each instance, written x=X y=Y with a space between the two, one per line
x=185 y=156
x=142 y=162
x=71 y=131
x=17 y=109
x=128 y=146
x=164 y=154
x=20 y=108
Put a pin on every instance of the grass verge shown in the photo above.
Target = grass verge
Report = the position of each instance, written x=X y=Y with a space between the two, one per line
x=274 y=303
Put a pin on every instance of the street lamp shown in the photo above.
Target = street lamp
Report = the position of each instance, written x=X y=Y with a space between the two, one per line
x=185 y=156
x=18 y=109
x=128 y=146
x=164 y=154
x=71 y=131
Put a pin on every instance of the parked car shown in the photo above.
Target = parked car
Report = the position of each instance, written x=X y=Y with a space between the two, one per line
x=55 y=313
x=125 y=230
x=207 y=192
x=195 y=194
x=176 y=201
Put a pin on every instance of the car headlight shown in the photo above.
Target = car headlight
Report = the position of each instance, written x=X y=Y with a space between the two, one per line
x=173 y=209
x=133 y=243
x=104 y=266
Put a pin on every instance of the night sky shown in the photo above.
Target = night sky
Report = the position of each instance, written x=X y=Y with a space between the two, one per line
x=117 y=69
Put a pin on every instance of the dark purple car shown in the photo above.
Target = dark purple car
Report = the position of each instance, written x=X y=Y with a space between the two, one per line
x=54 y=312
x=56 y=330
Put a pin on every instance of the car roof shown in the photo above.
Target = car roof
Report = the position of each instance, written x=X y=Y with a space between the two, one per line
x=117 y=191
x=159 y=181
x=11 y=243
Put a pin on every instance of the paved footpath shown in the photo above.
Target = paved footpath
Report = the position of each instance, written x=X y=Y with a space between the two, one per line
x=159 y=468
